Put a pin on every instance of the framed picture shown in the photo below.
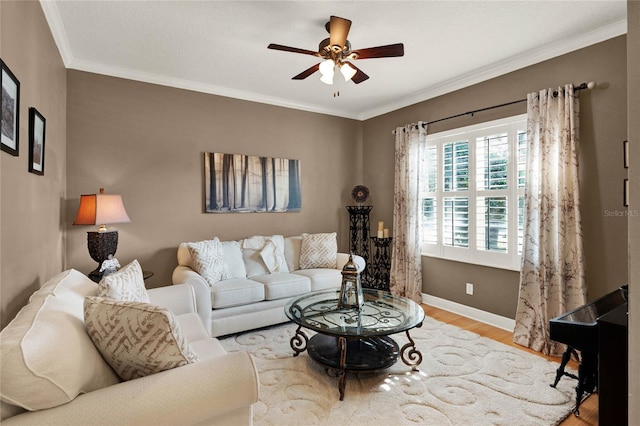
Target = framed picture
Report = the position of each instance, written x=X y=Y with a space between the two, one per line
x=625 y=153
x=249 y=183
x=626 y=193
x=36 y=141
x=10 y=119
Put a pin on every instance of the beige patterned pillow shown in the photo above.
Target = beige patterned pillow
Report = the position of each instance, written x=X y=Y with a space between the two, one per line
x=208 y=260
x=136 y=339
x=318 y=251
x=125 y=285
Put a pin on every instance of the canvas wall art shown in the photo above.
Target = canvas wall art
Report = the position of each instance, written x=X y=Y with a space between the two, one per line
x=237 y=183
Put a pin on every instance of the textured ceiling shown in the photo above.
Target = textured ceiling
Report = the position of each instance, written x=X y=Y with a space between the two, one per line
x=220 y=47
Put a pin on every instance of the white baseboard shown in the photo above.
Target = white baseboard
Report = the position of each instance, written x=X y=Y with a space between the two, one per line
x=498 y=321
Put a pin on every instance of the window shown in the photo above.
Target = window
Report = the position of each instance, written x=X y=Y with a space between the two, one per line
x=472 y=193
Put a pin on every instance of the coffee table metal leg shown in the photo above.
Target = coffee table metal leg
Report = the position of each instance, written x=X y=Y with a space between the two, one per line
x=299 y=341
x=410 y=355
x=342 y=342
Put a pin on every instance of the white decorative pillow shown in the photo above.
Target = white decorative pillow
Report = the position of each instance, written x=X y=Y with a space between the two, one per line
x=208 y=260
x=318 y=251
x=271 y=251
x=126 y=285
x=273 y=258
x=136 y=339
x=254 y=263
x=233 y=257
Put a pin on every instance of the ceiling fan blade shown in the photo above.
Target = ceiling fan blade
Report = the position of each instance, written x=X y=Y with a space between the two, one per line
x=359 y=76
x=338 y=31
x=387 y=51
x=291 y=49
x=306 y=73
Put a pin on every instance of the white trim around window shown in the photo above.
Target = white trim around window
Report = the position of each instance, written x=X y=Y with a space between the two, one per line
x=472 y=190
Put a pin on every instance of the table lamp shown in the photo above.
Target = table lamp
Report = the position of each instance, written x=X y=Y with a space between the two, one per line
x=101 y=209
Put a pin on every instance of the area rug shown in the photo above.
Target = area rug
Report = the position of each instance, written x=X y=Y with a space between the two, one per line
x=464 y=379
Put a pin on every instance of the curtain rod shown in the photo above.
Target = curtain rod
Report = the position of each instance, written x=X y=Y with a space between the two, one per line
x=589 y=85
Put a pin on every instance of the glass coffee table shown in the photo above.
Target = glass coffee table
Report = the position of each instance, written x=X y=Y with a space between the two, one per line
x=350 y=340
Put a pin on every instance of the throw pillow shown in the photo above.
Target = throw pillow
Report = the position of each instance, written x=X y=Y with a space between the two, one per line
x=254 y=263
x=208 y=260
x=126 y=285
x=136 y=339
x=271 y=251
x=318 y=251
x=273 y=257
x=233 y=257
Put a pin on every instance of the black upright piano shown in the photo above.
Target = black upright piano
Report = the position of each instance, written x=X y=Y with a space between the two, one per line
x=579 y=329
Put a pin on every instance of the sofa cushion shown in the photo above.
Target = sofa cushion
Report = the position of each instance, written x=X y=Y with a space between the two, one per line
x=233 y=257
x=322 y=278
x=191 y=326
x=234 y=292
x=136 y=339
x=126 y=285
x=46 y=347
x=318 y=251
x=208 y=348
x=281 y=285
x=208 y=260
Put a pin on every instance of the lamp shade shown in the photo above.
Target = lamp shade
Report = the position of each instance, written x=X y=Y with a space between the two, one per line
x=101 y=209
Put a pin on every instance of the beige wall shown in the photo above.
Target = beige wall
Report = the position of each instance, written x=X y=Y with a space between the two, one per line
x=603 y=128
x=146 y=142
x=31 y=226
x=633 y=113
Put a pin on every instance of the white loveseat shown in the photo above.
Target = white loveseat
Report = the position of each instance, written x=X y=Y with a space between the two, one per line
x=51 y=373
x=253 y=296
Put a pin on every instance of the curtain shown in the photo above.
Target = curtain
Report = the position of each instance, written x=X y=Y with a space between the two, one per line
x=406 y=261
x=552 y=276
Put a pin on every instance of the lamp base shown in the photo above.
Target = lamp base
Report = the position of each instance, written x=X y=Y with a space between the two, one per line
x=101 y=245
x=96 y=275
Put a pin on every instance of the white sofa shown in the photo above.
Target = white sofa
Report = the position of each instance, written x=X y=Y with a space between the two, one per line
x=51 y=373
x=254 y=297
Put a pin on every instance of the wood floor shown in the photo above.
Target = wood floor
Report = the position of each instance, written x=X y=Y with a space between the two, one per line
x=588 y=408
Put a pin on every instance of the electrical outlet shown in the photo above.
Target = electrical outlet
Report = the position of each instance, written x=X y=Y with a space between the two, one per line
x=470 y=289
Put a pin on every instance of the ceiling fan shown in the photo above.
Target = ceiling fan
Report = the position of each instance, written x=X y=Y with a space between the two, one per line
x=336 y=52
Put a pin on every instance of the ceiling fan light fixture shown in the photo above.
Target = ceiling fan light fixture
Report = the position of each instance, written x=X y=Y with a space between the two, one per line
x=347 y=71
x=327 y=78
x=327 y=71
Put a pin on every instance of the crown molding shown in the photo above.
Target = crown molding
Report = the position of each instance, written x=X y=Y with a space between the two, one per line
x=511 y=64
x=508 y=65
x=195 y=86
x=52 y=15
